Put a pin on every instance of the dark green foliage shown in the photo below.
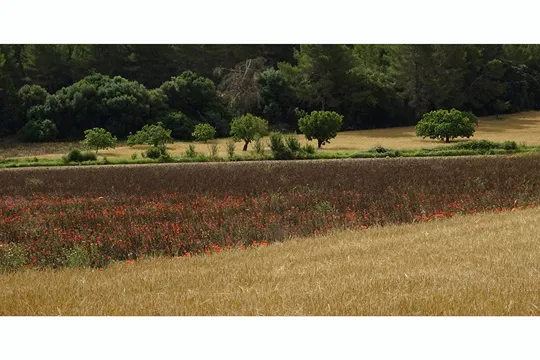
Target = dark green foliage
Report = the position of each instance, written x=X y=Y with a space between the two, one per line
x=485 y=145
x=446 y=125
x=370 y=85
x=380 y=149
x=77 y=155
x=38 y=131
x=31 y=96
x=154 y=152
x=196 y=97
x=292 y=143
x=308 y=149
x=278 y=148
x=116 y=104
x=321 y=125
x=180 y=125
x=288 y=147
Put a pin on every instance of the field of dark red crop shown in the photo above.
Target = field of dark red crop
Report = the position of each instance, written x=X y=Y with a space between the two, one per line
x=89 y=216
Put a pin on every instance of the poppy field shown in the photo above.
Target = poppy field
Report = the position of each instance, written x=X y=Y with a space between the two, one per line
x=80 y=217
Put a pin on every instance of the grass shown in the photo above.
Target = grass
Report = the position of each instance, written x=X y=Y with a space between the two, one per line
x=458 y=149
x=523 y=128
x=467 y=265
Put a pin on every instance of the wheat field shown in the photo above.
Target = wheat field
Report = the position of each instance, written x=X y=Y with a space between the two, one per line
x=523 y=128
x=467 y=265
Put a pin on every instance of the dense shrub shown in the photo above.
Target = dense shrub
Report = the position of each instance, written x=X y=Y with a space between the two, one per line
x=121 y=106
x=154 y=152
x=293 y=144
x=278 y=148
x=38 y=131
x=484 y=145
x=380 y=149
x=77 y=155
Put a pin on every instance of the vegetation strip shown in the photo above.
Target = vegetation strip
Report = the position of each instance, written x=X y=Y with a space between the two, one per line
x=90 y=216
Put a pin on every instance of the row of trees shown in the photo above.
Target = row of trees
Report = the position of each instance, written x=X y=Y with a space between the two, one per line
x=58 y=91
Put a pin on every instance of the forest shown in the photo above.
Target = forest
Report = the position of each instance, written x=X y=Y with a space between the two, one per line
x=55 y=92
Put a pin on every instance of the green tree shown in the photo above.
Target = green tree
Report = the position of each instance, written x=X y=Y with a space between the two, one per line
x=155 y=135
x=278 y=97
x=247 y=128
x=321 y=125
x=446 y=125
x=197 y=99
x=30 y=97
x=115 y=104
x=321 y=76
x=204 y=132
x=99 y=138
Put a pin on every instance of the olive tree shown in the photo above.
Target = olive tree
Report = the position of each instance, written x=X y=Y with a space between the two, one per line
x=154 y=135
x=247 y=128
x=320 y=125
x=99 y=138
x=446 y=125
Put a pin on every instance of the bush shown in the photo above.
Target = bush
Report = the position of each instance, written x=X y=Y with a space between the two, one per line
x=278 y=148
x=77 y=155
x=204 y=132
x=308 y=149
x=509 y=145
x=485 y=145
x=214 y=149
x=293 y=144
x=134 y=156
x=379 y=150
x=231 y=147
x=154 y=152
x=190 y=151
x=258 y=146
x=38 y=131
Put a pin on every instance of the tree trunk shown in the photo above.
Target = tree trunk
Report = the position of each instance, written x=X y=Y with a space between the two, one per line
x=447 y=139
x=245 y=146
x=319 y=143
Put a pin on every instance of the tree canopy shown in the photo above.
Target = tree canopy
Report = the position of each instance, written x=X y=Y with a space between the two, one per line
x=121 y=88
x=446 y=125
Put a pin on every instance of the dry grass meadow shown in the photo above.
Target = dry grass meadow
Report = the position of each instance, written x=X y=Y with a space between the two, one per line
x=523 y=128
x=467 y=265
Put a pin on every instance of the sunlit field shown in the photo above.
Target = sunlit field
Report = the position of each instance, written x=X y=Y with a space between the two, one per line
x=467 y=265
x=523 y=128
